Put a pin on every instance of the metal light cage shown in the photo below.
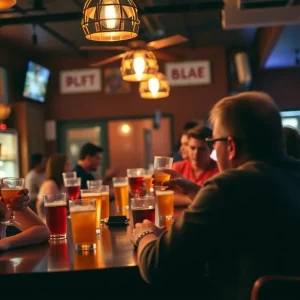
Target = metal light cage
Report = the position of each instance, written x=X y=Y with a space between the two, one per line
x=6 y=4
x=123 y=24
x=163 y=90
x=127 y=66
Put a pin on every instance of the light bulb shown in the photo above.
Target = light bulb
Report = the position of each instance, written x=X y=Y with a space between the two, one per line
x=153 y=85
x=110 y=17
x=139 y=66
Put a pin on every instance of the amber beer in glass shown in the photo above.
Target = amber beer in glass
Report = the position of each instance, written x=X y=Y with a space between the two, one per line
x=143 y=208
x=160 y=163
x=121 y=192
x=95 y=194
x=83 y=221
x=104 y=203
x=136 y=182
x=10 y=188
x=56 y=214
x=165 y=203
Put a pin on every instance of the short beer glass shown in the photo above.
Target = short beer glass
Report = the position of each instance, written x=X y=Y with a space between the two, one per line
x=56 y=215
x=143 y=208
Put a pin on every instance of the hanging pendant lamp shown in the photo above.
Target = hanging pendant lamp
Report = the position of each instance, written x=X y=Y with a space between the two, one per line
x=110 y=20
x=155 y=88
x=138 y=65
x=6 y=4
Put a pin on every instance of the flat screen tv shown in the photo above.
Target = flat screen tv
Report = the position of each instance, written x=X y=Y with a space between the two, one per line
x=291 y=118
x=36 y=82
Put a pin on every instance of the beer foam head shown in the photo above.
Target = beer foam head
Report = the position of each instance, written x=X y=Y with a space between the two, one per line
x=105 y=194
x=120 y=184
x=167 y=192
x=82 y=208
x=55 y=204
x=89 y=195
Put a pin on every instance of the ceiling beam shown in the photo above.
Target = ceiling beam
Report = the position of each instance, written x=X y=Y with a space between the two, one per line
x=55 y=34
x=266 y=39
x=235 y=18
x=75 y=16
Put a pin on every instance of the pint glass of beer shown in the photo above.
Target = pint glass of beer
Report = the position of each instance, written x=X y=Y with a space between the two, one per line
x=83 y=221
x=56 y=214
x=72 y=186
x=121 y=192
x=165 y=204
x=94 y=184
x=143 y=208
x=104 y=203
x=160 y=163
x=95 y=194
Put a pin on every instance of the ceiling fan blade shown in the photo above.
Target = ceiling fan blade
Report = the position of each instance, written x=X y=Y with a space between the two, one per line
x=168 y=56
x=99 y=48
x=167 y=42
x=107 y=61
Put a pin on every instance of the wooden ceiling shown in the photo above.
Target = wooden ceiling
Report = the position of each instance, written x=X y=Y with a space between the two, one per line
x=199 y=21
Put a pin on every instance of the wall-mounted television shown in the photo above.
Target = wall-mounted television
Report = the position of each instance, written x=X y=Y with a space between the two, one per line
x=291 y=118
x=36 y=82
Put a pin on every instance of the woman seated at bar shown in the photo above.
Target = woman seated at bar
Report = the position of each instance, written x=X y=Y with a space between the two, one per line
x=34 y=231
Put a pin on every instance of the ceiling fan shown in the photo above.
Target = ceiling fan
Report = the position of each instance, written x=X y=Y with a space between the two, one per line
x=141 y=45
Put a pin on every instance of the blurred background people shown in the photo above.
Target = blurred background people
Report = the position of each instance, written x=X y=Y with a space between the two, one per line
x=35 y=177
x=180 y=151
x=53 y=184
x=90 y=160
x=292 y=142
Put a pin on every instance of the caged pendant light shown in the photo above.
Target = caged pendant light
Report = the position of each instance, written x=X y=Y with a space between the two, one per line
x=155 y=88
x=138 y=65
x=6 y=4
x=110 y=20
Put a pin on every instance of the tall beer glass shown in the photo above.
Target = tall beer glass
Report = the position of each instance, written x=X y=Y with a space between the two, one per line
x=136 y=182
x=56 y=214
x=104 y=203
x=165 y=204
x=94 y=194
x=94 y=184
x=83 y=221
x=161 y=162
x=10 y=188
x=121 y=192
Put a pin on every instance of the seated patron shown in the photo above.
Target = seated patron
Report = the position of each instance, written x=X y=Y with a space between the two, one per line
x=243 y=223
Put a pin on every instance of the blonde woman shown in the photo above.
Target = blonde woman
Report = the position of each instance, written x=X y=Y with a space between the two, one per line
x=53 y=184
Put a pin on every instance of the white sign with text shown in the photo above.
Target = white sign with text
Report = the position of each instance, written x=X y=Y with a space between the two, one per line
x=188 y=73
x=80 y=81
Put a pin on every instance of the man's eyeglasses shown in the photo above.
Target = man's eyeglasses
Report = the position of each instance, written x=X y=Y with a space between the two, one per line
x=211 y=142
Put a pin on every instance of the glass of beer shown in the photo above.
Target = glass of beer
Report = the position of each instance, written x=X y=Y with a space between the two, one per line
x=165 y=204
x=136 y=182
x=83 y=221
x=121 y=192
x=10 y=188
x=148 y=181
x=56 y=215
x=69 y=175
x=94 y=194
x=160 y=163
x=72 y=186
x=94 y=184
x=143 y=208
x=104 y=203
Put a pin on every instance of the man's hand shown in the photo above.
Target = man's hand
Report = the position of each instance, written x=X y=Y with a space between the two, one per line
x=145 y=226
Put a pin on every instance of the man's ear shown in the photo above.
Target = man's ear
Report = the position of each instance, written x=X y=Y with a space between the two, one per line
x=232 y=148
